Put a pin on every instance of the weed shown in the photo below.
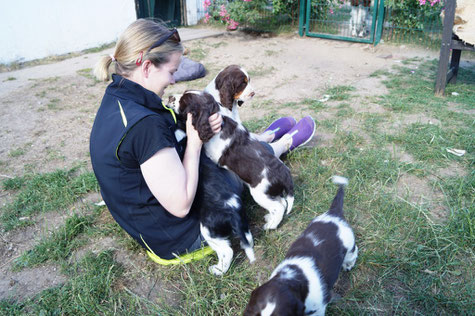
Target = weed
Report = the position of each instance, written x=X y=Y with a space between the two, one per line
x=87 y=73
x=380 y=73
x=198 y=53
x=340 y=93
x=314 y=104
x=17 y=152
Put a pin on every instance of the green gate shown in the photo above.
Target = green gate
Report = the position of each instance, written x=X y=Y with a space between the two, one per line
x=348 y=20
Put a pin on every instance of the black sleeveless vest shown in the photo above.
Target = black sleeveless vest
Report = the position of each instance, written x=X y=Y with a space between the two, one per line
x=123 y=189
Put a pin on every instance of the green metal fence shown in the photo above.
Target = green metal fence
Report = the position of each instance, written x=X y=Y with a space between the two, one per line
x=408 y=24
x=354 y=20
x=412 y=26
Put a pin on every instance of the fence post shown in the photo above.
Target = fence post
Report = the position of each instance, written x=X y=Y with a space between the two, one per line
x=302 y=17
x=449 y=15
x=380 y=23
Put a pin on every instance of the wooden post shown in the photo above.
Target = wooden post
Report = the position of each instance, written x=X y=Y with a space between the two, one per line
x=449 y=15
x=454 y=65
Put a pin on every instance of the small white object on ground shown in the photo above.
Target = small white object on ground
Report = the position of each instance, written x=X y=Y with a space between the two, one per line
x=456 y=152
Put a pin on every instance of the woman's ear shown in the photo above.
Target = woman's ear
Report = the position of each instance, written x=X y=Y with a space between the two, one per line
x=146 y=68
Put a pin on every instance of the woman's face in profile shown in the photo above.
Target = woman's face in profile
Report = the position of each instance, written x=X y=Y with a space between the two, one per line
x=162 y=76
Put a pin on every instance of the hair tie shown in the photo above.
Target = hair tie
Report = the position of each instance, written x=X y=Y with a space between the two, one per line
x=112 y=57
x=138 y=62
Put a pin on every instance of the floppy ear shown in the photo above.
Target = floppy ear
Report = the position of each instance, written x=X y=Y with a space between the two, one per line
x=225 y=86
x=184 y=106
x=200 y=120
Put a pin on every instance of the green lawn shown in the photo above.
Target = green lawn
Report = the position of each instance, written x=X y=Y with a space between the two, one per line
x=410 y=202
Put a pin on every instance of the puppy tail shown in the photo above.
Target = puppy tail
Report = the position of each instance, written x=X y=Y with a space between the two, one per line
x=336 y=209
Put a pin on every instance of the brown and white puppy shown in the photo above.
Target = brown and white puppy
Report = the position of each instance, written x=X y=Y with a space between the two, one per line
x=269 y=180
x=302 y=283
x=231 y=88
x=218 y=195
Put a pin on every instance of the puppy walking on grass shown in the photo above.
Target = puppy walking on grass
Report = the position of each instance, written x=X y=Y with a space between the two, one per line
x=302 y=283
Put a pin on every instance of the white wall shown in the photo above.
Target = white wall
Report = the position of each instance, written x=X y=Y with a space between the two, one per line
x=194 y=11
x=32 y=29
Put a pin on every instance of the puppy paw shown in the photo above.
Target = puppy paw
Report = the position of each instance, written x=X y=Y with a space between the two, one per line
x=347 y=267
x=271 y=221
x=216 y=270
x=269 y=226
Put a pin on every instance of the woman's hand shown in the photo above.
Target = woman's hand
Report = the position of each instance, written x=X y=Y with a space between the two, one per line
x=215 y=122
x=193 y=138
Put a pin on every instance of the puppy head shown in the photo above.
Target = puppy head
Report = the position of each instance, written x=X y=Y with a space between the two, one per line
x=233 y=84
x=201 y=105
x=274 y=298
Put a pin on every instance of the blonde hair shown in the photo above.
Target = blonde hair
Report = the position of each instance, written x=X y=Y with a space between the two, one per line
x=138 y=37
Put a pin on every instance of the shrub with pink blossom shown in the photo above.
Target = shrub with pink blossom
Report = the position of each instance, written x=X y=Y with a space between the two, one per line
x=232 y=13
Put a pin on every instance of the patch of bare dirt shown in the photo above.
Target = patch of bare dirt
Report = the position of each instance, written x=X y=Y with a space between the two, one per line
x=405 y=120
x=28 y=282
x=418 y=191
x=456 y=108
x=454 y=170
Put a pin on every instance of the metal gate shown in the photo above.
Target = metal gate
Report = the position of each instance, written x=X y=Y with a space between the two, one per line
x=348 y=20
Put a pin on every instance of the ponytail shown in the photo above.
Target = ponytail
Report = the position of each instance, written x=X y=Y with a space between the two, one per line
x=101 y=70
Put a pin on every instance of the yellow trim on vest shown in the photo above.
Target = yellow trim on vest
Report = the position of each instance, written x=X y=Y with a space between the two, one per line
x=124 y=118
x=183 y=259
x=171 y=111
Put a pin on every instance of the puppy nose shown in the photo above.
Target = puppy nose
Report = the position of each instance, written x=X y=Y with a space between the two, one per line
x=252 y=94
x=171 y=99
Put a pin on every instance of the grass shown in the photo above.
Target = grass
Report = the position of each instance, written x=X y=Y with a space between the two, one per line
x=411 y=262
x=58 y=246
x=88 y=73
x=40 y=193
x=340 y=93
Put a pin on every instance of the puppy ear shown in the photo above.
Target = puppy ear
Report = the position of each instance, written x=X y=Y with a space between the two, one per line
x=200 y=120
x=184 y=106
x=225 y=86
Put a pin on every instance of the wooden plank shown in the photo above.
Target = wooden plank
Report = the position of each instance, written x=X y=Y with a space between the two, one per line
x=458 y=44
x=441 y=80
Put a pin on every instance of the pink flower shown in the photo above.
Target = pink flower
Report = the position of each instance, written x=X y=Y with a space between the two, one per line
x=232 y=24
x=207 y=17
x=422 y=2
x=247 y=0
x=207 y=4
x=223 y=11
x=331 y=11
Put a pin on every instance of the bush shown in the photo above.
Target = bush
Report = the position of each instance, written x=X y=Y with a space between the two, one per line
x=413 y=14
x=232 y=13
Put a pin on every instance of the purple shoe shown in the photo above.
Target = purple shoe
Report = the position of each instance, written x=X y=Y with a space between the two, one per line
x=302 y=132
x=280 y=126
